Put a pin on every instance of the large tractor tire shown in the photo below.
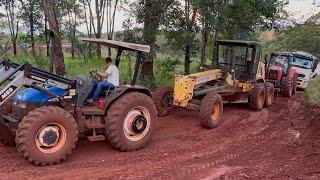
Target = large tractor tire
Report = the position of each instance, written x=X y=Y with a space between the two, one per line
x=287 y=87
x=269 y=95
x=7 y=137
x=47 y=135
x=130 y=121
x=257 y=97
x=211 y=110
x=163 y=100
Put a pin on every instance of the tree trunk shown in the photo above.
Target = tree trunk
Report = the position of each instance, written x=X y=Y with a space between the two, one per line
x=149 y=36
x=187 y=60
x=14 y=45
x=214 y=48
x=203 y=48
x=47 y=38
x=56 y=54
x=147 y=70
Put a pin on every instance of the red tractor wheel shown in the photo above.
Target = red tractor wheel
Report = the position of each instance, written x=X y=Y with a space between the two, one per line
x=287 y=87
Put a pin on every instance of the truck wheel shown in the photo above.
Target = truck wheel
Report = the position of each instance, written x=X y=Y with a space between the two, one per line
x=211 y=110
x=130 y=121
x=163 y=100
x=287 y=87
x=47 y=135
x=257 y=97
x=6 y=136
x=269 y=95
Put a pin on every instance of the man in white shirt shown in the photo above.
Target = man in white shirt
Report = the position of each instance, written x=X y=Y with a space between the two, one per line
x=110 y=79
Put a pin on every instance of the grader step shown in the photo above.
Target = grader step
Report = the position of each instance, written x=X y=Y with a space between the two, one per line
x=95 y=126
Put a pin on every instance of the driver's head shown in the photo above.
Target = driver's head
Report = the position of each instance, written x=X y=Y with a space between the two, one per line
x=108 y=61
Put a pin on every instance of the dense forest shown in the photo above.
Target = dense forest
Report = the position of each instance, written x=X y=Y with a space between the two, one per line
x=181 y=33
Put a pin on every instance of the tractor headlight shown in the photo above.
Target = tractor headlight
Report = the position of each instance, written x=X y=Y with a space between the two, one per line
x=21 y=105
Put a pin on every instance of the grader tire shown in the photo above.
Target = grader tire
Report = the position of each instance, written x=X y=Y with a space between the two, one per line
x=43 y=126
x=7 y=137
x=211 y=110
x=130 y=121
x=257 y=97
x=163 y=100
x=287 y=87
x=269 y=95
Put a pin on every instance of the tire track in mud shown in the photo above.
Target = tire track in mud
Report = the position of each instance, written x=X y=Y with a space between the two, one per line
x=245 y=145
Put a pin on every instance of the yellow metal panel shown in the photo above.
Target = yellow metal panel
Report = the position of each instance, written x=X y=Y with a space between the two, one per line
x=183 y=90
x=184 y=85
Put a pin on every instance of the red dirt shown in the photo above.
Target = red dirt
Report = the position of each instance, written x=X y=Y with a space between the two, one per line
x=282 y=142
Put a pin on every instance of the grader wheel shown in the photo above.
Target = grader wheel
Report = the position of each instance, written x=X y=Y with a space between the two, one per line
x=47 y=135
x=257 y=97
x=6 y=136
x=269 y=95
x=211 y=110
x=163 y=100
x=130 y=121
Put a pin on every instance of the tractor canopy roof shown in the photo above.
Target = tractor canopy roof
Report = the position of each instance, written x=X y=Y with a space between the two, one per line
x=296 y=53
x=118 y=44
x=238 y=43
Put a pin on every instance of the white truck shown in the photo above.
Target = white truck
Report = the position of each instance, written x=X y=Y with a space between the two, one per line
x=306 y=65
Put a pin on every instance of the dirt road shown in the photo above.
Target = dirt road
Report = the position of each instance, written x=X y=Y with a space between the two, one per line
x=282 y=142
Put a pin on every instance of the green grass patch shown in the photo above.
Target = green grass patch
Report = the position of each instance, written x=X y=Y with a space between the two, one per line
x=313 y=91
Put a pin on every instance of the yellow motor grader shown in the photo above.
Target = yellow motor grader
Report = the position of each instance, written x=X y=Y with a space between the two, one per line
x=237 y=75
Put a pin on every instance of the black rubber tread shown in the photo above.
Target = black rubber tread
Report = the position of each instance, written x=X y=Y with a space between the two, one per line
x=158 y=97
x=269 y=91
x=206 y=108
x=254 y=97
x=116 y=115
x=7 y=137
x=31 y=123
x=287 y=87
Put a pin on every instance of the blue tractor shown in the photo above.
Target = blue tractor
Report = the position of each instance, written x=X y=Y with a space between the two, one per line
x=44 y=114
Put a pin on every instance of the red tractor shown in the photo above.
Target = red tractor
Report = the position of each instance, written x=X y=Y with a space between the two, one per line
x=282 y=74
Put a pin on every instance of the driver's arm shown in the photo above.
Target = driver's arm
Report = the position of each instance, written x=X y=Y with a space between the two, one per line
x=104 y=75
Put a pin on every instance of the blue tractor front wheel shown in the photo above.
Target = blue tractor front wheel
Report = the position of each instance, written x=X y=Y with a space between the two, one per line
x=47 y=135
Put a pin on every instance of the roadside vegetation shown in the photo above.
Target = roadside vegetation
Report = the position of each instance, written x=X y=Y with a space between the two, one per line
x=313 y=91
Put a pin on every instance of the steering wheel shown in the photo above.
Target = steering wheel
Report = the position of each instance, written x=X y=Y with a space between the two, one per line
x=95 y=76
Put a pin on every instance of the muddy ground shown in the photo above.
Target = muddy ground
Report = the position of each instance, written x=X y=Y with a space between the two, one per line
x=282 y=142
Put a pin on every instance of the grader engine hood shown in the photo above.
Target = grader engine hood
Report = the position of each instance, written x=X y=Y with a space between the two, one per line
x=185 y=85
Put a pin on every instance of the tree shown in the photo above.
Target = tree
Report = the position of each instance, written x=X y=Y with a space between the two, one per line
x=100 y=8
x=181 y=29
x=56 y=54
x=31 y=13
x=152 y=14
x=13 y=24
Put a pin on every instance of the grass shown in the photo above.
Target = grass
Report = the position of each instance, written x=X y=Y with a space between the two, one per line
x=313 y=91
x=164 y=67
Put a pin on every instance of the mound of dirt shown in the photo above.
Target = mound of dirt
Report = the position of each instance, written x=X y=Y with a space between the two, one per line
x=281 y=142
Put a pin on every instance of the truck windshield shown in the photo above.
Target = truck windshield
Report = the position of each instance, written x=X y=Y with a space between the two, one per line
x=303 y=63
x=281 y=61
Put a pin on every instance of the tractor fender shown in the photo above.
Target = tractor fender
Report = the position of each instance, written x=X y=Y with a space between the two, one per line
x=113 y=96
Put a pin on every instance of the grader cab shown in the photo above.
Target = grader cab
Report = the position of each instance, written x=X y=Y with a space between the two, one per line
x=237 y=75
